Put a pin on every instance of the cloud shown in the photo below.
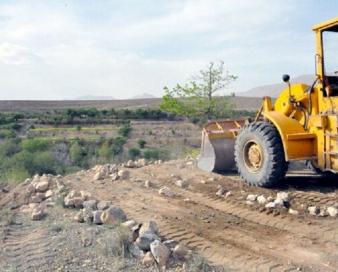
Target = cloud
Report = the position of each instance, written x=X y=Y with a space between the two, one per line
x=56 y=50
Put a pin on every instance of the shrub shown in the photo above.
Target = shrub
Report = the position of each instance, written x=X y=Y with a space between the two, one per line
x=105 y=151
x=134 y=152
x=141 y=143
x=34 y=145
x=156 y=154
x=43 y=163
x=7 y=134
x=125 y=130
x=78 y=128
x=77 y=153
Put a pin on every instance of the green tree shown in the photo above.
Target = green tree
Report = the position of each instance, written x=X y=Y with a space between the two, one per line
x=141 y=143
x=198 y=98
x=77 y=153
x=105 y=151
x=134 y=152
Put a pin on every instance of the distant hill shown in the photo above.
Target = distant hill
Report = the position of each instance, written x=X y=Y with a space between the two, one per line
x=273 y=90
x=143 y=96
x=95 y=97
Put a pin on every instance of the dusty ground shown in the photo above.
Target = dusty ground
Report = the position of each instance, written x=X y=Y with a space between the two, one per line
x=226 y=231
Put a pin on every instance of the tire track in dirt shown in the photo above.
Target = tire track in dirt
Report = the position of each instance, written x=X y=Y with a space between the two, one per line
x=27 y=247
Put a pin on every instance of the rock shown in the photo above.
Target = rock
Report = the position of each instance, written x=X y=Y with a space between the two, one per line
x=102 y=172
x=136 y=252
x=129 y=224
x=160 y=252
x=97 y=217
x=49 y=194
x=181 y=183
x=170 y=244
x=130 y=164
x=141 y=163
x=190 y=163
x=30 y=189
x=323 y=213
x=149 y=226
x=279 y=202
x=144 y=241
x=221 y=191
x=203 y=181
x=135 y=231
x=166 y=191
x=148 y=259
x=103 y=205
x=148 y=184
x=251 y=197
x=249 y=203
x=113 y=215
x=283 y=196
x=35 y=199
x=85 y=195
x=294 y=212
x=42 y=186
x=180 y=251
x=228 y=194
x=270 y=205
x=79 y=217
x=87 y=215
x=114 y=176
x=90 y=204
x=261 y=200
x=313 y=210
x=37 y=213
x=27 y=181
x=123 y=174
x=332 y=211
x=77 y=202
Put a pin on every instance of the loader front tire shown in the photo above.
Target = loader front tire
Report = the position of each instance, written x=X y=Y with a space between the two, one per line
x=259 y=155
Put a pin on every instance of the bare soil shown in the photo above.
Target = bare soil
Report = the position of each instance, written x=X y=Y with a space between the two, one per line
x=226 y=231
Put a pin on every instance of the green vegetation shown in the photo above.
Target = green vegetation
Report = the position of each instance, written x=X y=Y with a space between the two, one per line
x=134 y=152
x=198 y=98
x=141 y=143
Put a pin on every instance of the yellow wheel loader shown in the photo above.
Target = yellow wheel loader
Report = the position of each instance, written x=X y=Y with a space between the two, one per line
x=301 y=125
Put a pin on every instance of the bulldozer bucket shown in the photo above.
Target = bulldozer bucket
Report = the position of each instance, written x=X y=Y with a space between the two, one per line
x=217 y=148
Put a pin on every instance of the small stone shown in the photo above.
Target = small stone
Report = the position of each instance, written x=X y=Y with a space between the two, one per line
x=79 y=217
x=270 y=205
x=313 y=210
x=90 y=204
x=136 y=252
x=123 y=174
x=37 y=214
x=180 y=251
x=42 y=186
x=332 y=211
x=148 y=259
x=35 y=199
x=144 y=241
x=160 y=252
x=251 y=197
x=141 y=163
x=87 y=215
x=49 y=194
x=228 y=194
x=30 y=189
x=149 y=226
x=103 y=205
x=148 y=184
x=114 y=176
x=129 y=224
x=166 y=191
x=203 y=181
x=221 y=191
x=113 y=215
x=97 y=217
x=283 y=196
x=279 y=202
x=261 y=200
x=170 y=244
x=249 y=203
x=293 y=212
x=190 y=163
x=130 y=164
x=181 y=183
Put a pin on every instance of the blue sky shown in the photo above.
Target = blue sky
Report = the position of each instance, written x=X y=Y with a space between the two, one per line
x=66 y=49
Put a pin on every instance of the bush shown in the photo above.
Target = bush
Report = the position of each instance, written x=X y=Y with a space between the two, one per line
x=77 y=153
x=7 y=134
x=43 y=163
x=105 y=151
x=141 y=143
x=134 y=152
x=156 y=154
x=34 y=145
x=125 y=130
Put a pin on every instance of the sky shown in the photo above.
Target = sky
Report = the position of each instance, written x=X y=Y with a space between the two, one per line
x=67 y=49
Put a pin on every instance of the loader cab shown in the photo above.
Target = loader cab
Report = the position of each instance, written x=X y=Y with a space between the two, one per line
x=327 y=56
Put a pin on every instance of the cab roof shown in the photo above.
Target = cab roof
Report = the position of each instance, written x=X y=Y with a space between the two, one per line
x=329 y=25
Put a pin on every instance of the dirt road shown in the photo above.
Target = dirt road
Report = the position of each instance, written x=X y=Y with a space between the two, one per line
x=227 y=231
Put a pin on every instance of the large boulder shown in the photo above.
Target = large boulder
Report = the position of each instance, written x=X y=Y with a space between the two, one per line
x=97 y=217
x=160 y=252
x=113 y=215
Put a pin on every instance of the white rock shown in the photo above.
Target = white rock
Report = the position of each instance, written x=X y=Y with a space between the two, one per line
x=113 y=215
x=129 y=224
x=160 y=252
x=148 y=184
x=148 y=259
x=283 y=196
x=249 y=203
x=123 y=174
x=37 y=213
x=49 y=194
x=130 y=164
x=42 y=185
x=270 y=205
x=221 y=191
x=251 y=197
x=149 y=226
x=228 y=194
x=141 y=163
x=180 y=251
x=294 y=212
x=181 y=183
x=313 y=210
x=279 y=202
x=261 y=200
x=79 y=217
x=103 y=205
x=332 y=211
x=166 y=191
